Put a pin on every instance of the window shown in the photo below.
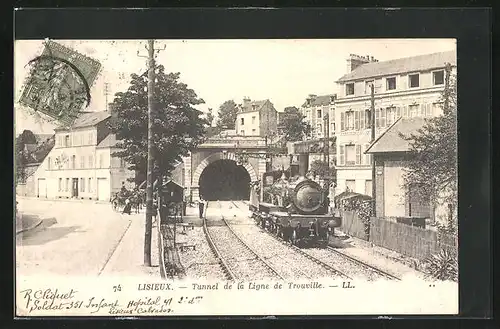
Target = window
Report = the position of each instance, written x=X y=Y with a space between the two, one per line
x=91 y=161
x=82 y=184
x=436 y=108
x=350 y=185
x=368 y=119
x=350 y=120
x=253 y=131
x=66 y=141
x=49 y=163
x=438 y=78
x=341 y=157
x=60 y=186
x=382 y=118
x=332 y=129
x=242 y=121
x=358 y=154
x=390 y=83
x=73 y=161
x=66 y=186
x=82 y=162
x=368 y=187
x=368 y=157
x=350 y=155
x=318 y=114
x=242 y=132
x=90 y=184
x=253 y=120
x=414 y=80
x=319 y=129
x=368 y=87
x=391 y=115
x=349 y=89
x=413 y=111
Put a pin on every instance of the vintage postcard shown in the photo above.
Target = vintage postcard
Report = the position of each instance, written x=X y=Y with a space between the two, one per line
x=236 y=177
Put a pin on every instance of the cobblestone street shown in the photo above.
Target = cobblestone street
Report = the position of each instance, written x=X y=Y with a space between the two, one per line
x=81 y=238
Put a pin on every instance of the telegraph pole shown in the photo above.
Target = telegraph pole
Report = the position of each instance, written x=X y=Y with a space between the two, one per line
x=372 y=108
x=326 y=150
x=150 y=163
x=106 y=93
x=447 y=88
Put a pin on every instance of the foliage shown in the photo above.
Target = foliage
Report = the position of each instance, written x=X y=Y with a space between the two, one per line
x=210 y=117
x=295 y=128
x=25 y=156
x=177 y=125
x=321 y=169
x=443 y=265
x=227 y=115
x=433 y=150
x=362 y=207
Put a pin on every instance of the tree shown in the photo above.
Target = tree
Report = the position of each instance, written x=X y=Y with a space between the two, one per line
x=294 y=126
x=227 y=115
x=23 y=155
x=432 y=172
x=178 y=126
x=319 y=168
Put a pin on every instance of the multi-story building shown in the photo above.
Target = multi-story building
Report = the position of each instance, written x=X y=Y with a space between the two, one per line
x=256 y=118
x=406 y=87
x=81 y=164
x=314 y=110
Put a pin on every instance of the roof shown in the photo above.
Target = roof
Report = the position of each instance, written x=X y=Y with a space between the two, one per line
x=401 y=65
x=171 y=181
x=320 y=100
x=391 y=141
x=43 y=137
x=108 y=141
x=87 y=120
x=249 y=107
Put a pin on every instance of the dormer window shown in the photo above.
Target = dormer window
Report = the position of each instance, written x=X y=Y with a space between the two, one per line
x=349 y=89
x=414 y=80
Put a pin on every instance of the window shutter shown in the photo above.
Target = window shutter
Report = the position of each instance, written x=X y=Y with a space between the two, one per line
x=362 y=115
x=358 y=154
x=367 y=156
x=382 y=118
x=356 y=120
x=428 y=110
x=377 y=118
x=398 y=112
x=422 y=110
x=405 y=111
x=342 y=121
x=341 y=151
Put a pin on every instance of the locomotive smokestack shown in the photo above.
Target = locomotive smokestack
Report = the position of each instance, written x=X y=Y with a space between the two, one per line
x=303 y=164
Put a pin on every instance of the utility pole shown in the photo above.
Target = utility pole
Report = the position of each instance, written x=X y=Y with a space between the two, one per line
x=372 y=108
x=106 y=93
x=447 y=88
x=326 y=150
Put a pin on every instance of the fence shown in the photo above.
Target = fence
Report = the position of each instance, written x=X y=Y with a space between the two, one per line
x=352 y=225
x=408 y=240
x=170 y=263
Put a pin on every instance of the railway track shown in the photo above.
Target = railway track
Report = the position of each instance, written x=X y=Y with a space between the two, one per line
x=316 y=260
x=238 y=261
x=372 y=270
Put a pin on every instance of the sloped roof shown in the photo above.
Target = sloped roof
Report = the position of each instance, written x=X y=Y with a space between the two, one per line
x=108 y=141
x=40 y=138
x=249 y=107
x=320 y=100
x=401 y=65
x=87 y=120
x=391 y=141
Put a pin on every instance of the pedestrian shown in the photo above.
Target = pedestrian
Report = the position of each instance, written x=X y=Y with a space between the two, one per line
x=128 y=207
x=201 y=207
x=155 y=212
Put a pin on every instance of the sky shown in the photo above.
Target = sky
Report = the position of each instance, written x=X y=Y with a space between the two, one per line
x=283 y=71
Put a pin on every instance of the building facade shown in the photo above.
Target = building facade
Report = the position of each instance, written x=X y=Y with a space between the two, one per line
x=256 y=118
x=314 y=110
x=406 y=87
x=81 y=164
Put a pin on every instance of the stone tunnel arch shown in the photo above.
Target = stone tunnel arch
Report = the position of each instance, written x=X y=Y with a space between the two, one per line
x=219 y=156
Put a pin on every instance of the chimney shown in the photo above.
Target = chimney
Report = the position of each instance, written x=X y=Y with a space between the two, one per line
x=303 y=164
x=354 y=61
x=246 y=101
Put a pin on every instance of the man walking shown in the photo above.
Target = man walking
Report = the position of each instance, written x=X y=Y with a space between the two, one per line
x=201 y=206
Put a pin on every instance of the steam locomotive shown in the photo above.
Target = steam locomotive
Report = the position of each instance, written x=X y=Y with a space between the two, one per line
x=294 y=207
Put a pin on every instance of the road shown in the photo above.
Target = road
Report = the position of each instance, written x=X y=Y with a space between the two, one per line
x=75 y=238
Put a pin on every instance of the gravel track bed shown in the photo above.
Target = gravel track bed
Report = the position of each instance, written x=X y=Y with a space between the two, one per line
x=342 y=264
x=300 y=265
x=244 y=264
x=200 y=263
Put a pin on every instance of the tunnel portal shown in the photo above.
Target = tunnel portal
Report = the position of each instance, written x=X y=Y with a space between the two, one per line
x=224 y=180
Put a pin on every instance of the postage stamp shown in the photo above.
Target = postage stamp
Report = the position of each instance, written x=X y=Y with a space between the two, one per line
x=59 y=82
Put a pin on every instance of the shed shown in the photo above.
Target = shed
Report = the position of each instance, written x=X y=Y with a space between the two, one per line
x=172 y=192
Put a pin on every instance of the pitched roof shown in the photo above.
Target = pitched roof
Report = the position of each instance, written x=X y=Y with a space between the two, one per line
x=87 y=120
x=391 y=141
x=40 y=138
x=320 y=100
x=401 y=65
x=108 y=141
x=249 y=107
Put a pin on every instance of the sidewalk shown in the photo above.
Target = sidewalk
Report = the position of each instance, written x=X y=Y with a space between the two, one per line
x=22 y=197
x=128 y=258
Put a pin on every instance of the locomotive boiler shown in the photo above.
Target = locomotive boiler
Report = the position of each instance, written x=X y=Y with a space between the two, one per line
x=294 y=207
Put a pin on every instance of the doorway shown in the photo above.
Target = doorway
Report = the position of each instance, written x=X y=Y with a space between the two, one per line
x=74 y=189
